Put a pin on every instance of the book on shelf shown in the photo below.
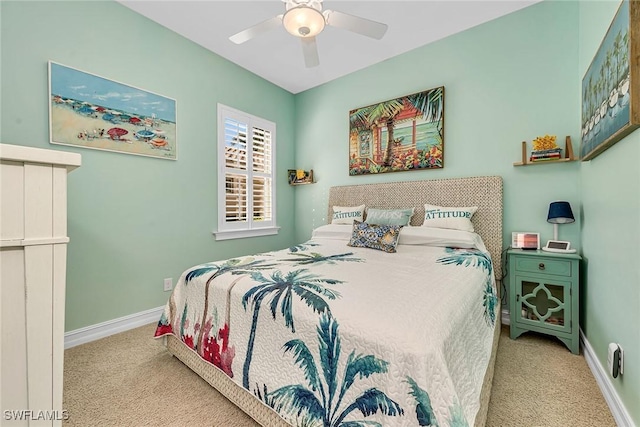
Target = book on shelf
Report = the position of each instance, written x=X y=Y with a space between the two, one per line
x=547 y=151
x=544 y=159
x=545 y=156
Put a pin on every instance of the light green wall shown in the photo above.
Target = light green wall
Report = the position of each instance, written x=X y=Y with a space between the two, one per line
x=611 y=233
x=135 y=220
x=506 y=81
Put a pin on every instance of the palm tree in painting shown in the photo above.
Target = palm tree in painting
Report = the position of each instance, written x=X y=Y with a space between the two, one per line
x=233 y=266
x=625 y=52
x=608 y=63
x=308 y=287
x=322 y=402
x=429 y=104
x=617 y=50
x=592 y=103
x=586 y=104
x=314 y=258
x=601 y=87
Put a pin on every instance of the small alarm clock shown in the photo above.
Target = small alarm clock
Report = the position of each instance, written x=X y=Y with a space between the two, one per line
x=560 y=246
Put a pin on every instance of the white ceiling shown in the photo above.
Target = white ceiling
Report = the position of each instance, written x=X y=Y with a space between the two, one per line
x=277 y=55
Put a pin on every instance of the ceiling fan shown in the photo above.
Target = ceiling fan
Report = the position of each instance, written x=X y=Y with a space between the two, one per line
x=306 y=19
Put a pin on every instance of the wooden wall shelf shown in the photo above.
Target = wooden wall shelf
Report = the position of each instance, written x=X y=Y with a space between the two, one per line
x=568 y=155
x=308 y=179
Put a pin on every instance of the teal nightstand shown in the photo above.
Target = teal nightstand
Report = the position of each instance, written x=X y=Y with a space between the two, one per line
x=544 y=290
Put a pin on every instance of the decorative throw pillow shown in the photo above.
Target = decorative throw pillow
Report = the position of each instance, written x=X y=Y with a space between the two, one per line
x=389 y=216
x=380 y=237
x=346 y=215
x=444 y=217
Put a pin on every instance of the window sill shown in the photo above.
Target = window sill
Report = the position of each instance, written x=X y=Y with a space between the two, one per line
x=241 y=234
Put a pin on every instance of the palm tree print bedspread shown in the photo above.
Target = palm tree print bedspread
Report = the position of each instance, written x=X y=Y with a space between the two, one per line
x=335 y=336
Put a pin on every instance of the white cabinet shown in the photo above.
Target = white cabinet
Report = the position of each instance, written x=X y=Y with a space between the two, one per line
x=33 y=262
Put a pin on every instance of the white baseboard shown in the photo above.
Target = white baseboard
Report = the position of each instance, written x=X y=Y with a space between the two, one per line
x=618 y=410
x=506 y=320
x=111 y=327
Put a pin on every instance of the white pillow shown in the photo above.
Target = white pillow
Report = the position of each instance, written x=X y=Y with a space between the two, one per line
x=445 y=217
x=442 y=237
x=346 y=215
x=333 y=231
x=416 y=236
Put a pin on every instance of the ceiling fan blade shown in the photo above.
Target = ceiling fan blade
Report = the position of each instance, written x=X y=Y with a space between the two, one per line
x=356 y=24
x=310 y=52
x=256 y=30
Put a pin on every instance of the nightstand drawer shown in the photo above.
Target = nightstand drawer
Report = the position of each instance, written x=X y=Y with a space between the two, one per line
x=544 y=265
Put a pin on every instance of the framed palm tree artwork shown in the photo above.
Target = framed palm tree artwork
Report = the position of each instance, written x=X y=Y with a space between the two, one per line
x=611 y=85
x=402 y=134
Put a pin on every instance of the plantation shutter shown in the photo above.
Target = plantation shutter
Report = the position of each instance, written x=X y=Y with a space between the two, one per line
x=236 y=171
x=246 y=145
x=261 y=151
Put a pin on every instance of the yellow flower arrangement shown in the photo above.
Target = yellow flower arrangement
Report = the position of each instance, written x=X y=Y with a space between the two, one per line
x=546 y=142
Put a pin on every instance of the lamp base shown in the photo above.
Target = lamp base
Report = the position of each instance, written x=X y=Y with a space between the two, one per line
x=562 y=251
x=559 y=246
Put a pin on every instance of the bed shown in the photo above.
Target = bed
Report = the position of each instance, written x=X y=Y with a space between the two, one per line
x=332 y=332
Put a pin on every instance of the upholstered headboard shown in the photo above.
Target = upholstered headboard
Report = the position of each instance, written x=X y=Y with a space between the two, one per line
x=485 y=192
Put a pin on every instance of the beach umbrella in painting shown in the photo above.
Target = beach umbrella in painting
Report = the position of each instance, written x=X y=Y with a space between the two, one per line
x=145 y=134
x=158 y=142
x=108 y=117
x=86 y=110
x=135 y=121
x=116 y=133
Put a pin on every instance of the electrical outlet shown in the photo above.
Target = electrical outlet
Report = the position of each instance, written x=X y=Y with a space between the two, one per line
x=168 y=284
x=615 y=360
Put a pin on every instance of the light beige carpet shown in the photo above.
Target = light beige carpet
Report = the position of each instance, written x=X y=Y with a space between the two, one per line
x=129 y=379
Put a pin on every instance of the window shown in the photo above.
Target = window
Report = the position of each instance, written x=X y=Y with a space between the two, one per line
x=246 y=164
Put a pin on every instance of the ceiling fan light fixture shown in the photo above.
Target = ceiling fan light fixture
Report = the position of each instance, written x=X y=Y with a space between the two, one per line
x=303 y=21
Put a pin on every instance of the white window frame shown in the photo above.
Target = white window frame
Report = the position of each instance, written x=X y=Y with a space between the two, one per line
x=237 y=230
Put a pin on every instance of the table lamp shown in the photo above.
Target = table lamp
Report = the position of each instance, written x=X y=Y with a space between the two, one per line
x=559 y=213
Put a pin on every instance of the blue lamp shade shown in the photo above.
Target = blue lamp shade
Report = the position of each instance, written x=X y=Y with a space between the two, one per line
x=560 y=213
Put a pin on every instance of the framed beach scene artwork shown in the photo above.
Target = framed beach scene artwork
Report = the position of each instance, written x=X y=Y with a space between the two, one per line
x=402 y=134
x=89 y=111
x=611 y=85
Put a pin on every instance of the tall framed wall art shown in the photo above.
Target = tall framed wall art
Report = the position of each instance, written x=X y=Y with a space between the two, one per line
x=611 y=85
